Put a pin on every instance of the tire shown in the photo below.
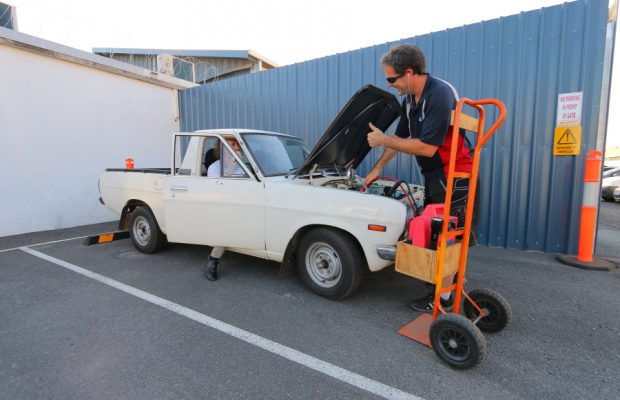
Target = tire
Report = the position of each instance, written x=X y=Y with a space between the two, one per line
x=457 y=341
x=144 y=231
x=499 y=313
x=330 y=263
x=607 y=193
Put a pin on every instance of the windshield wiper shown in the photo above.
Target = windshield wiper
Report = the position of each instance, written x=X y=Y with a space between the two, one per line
x=290 y=171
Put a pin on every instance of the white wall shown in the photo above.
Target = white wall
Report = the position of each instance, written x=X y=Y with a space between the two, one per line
x=61 y=125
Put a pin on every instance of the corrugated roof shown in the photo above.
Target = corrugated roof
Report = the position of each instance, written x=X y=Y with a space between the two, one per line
x=188 y=53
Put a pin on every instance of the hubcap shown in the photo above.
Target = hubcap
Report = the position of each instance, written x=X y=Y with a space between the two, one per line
x=490 y=310
x=142 y=231
x=455 y=344
x=323 y=265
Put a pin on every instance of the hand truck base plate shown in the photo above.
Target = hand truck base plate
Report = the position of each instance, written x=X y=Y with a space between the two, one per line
x=419 y=329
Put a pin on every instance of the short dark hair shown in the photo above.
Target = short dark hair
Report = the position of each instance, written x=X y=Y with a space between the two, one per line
x=405 y=56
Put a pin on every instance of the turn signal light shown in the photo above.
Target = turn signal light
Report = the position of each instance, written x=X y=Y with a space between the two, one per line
x=378 y=228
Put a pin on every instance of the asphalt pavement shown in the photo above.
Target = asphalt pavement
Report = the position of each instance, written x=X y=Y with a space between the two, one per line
x=105 y=321
x=608 y=237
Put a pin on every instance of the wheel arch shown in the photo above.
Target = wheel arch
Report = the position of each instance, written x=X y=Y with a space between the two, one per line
x=123 y=222
x=289 y=263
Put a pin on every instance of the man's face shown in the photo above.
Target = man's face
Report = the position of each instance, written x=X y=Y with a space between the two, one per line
x=400 y=81
x=234 y=144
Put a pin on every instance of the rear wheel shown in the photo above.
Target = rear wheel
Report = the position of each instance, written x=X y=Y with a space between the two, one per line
x=329 y=263
x=144 y=231
x=457 y=341
x=497 y=310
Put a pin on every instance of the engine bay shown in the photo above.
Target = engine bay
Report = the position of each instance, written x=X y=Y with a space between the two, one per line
x=409 y=194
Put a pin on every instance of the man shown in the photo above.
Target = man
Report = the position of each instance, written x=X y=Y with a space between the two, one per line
x=230 y=167
x=423 y=132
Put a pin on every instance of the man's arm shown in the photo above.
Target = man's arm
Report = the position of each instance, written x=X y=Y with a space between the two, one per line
x=397 y=144
x=409 y=146
x=386 y=157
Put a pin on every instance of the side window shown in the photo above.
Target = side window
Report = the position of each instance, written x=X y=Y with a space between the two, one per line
x=186 y=155
x=218 y=160
x=210 y=157
x=230 y=167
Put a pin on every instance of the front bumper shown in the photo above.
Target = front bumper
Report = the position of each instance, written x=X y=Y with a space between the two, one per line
x=387 y=252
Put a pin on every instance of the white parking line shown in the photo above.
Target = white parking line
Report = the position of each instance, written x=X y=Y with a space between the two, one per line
x=41 y=244
x=306 y=360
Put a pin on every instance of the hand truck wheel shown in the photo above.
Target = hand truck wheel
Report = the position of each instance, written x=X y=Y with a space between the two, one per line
x=494 y=305
x=457 y=341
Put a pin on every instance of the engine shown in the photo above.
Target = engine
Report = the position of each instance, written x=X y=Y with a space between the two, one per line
x=409 y=194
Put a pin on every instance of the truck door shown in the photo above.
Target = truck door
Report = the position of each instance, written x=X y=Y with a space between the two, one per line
x=223 y=209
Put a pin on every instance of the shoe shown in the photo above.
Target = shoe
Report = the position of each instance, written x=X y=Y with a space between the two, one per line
x=426 y=303
x=210 y=270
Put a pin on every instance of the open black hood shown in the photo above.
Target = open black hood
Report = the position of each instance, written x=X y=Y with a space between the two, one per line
x=345 y=143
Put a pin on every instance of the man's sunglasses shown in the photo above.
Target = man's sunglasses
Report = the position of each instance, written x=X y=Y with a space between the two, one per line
x=392 y=79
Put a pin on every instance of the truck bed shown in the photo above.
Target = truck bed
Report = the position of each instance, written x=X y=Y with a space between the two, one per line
x=118 y=186
x=165 y=171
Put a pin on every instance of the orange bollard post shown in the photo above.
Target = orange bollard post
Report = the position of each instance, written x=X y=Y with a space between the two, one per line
x=589 y=207
x=129 y=163
x=589 y=210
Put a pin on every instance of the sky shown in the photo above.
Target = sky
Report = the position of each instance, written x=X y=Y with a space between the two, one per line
x=284 y=31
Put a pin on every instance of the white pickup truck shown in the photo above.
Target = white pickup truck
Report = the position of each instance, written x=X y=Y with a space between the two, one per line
x=280 y=202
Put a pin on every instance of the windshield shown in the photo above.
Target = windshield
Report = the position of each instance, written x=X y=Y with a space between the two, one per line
x=276 y=155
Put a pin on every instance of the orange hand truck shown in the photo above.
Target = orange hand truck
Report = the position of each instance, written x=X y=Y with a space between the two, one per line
x=457 y=339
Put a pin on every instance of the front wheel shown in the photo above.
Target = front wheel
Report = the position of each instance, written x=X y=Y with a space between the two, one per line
x=144 y=231
x=457 y=341
x=330 y=263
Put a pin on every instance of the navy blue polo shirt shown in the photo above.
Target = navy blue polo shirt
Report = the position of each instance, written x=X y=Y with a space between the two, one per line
x=429 y=121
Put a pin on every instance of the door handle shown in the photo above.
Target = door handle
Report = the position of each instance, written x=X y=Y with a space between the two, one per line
x=179 y=188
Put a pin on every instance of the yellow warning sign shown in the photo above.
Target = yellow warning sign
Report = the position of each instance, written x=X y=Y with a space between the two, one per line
x=567 y=140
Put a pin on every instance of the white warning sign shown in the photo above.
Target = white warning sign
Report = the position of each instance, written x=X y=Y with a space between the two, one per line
x=569 y=109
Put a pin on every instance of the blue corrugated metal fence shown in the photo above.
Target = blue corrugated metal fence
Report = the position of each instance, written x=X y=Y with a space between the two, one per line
x=530 y=199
